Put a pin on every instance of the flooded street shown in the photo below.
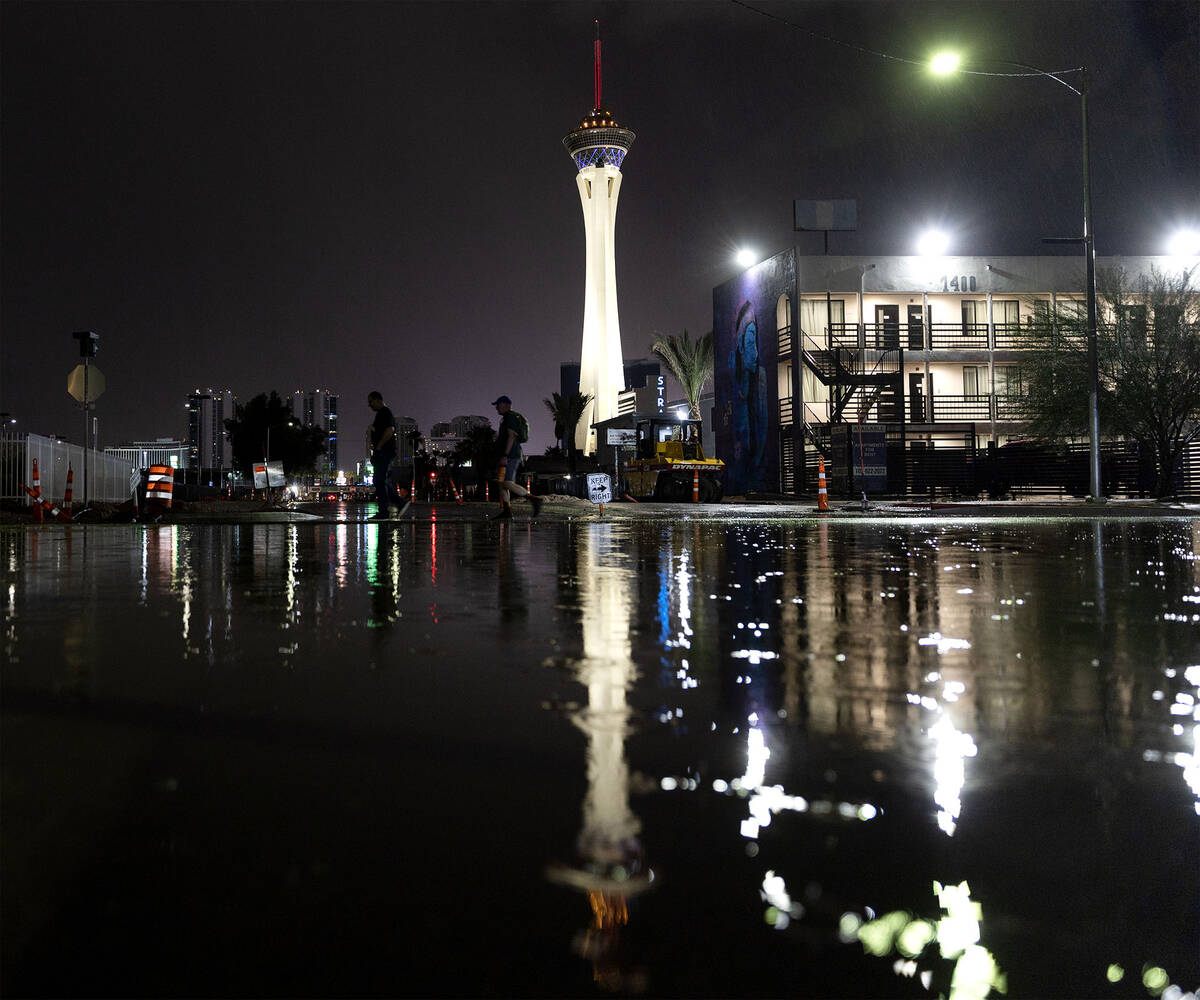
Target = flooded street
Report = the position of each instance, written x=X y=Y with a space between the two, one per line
x=674 y=757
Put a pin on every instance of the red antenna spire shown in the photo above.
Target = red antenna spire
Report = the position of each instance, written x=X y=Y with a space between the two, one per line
x=596 y=57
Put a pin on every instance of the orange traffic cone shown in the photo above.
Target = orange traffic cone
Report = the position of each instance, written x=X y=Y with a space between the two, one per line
x=69 y=494
x=36 y=493
x=822 y=493
x=42 y=506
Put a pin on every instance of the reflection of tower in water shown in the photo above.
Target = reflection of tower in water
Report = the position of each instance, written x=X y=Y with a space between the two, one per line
x=609 y=865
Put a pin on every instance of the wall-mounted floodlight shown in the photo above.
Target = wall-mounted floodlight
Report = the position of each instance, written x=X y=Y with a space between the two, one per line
x=932 y=243
x=945 y=63
x=745 y=257
x=1184 y=243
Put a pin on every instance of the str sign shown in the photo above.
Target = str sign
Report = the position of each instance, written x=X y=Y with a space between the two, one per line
x=95 y=383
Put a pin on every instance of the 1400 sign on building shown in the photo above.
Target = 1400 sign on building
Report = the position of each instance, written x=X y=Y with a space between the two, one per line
x=958 y=283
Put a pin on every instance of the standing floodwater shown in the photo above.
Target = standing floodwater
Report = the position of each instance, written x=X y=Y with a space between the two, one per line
x=678 y=758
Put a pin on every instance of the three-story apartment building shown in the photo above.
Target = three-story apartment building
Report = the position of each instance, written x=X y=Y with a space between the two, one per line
x=924 y=349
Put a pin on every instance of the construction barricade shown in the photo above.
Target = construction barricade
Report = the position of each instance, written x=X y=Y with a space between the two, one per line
x=160 y=486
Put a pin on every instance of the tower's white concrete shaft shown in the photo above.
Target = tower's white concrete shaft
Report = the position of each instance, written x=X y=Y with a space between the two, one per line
x=598 y=147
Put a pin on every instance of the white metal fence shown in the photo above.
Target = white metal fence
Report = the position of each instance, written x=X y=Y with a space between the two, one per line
x=107 y=477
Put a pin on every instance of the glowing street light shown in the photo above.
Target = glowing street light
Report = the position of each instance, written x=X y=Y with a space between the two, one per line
x=1184 y=243
x=945 y=63
x=745 y=257
x=932 y=243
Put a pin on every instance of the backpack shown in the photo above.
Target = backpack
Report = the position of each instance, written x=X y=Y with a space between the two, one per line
x=522 y=427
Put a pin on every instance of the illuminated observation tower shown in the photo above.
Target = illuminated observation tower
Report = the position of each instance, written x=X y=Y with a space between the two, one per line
x=598 y=147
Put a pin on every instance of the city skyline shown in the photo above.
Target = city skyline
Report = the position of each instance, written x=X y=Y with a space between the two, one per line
x=374 y=196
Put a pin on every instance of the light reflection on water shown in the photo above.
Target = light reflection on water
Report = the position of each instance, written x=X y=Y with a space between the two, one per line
x=820 y=698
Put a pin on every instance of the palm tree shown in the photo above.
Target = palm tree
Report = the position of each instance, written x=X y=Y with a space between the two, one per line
x=567 y=411
x=690 y=361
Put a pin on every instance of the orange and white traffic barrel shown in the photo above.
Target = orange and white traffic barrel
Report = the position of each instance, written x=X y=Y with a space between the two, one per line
x=822 y=492
x=159 y=489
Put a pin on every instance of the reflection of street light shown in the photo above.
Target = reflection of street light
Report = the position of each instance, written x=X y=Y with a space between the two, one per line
x=945 y=63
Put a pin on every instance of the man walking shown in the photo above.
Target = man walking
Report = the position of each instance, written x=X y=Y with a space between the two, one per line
x=383 y=453
x=513 y=430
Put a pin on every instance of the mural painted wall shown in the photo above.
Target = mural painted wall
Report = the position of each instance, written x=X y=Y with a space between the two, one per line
x=746 y=350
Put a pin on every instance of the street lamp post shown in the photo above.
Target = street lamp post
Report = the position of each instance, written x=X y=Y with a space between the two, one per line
x=944 y=63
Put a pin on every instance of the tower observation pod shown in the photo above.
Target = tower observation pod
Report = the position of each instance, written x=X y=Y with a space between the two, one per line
x=598 y=147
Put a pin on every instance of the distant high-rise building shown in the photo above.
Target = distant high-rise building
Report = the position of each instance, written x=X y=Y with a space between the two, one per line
x=209 y=452
x=406 y=430
x=319 y=408
x=445 y=435
x=463 y=425
x=598 y=146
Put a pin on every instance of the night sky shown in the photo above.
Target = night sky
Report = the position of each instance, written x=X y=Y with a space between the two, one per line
x=358 y=195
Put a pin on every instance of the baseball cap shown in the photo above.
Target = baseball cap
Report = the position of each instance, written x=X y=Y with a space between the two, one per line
x=502 y=399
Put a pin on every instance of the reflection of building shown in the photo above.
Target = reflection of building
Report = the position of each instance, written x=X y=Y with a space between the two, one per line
x=209 y=451
x=160 y=451
x=319 y=408
x=598 y=146
x=609 y=865
x=922 y=351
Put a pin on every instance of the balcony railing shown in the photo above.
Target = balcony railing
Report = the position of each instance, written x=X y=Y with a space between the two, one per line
x=946 y=409
x=1013 y=336
x=941 y=409
x=1010 y=407
x=959 y=409
x=785 y=411
x=785 y=341
x=958 y=336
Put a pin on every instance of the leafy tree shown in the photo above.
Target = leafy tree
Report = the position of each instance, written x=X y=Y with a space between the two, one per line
x=267 y=418
x=1148 y=354
x=690 y=361
x=567 y=411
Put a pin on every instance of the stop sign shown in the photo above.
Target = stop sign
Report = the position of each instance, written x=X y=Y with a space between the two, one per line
x=95 y=383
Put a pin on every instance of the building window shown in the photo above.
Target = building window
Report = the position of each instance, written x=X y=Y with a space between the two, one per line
x=1006 y=311
x=975 y=380
x=814 y=320
x=1008 y=380
x=1131 y=320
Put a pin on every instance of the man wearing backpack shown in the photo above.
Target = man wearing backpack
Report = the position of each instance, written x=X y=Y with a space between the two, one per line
x=514 y=430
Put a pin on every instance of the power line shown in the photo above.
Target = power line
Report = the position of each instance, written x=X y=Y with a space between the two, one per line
x=901 y=59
